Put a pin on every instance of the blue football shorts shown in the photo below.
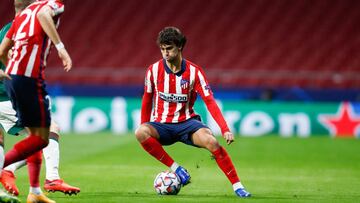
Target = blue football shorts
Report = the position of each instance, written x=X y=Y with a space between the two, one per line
x=30 y=101
x=178 y=132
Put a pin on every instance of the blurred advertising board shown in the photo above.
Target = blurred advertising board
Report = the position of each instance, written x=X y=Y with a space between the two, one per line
x=246 y=118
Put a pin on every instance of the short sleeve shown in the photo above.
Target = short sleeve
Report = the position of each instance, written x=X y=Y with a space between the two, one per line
x=56 y=6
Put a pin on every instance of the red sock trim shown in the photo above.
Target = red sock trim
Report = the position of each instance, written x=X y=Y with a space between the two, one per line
x=153 y=147
x=224 y=162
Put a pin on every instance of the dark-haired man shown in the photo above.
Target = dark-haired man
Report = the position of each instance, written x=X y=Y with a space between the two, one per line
x=171 y=88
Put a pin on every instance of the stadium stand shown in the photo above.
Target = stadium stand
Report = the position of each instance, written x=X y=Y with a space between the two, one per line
x=277 y=43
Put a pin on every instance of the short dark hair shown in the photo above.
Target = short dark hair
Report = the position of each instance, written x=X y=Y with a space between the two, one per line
x=170 y=35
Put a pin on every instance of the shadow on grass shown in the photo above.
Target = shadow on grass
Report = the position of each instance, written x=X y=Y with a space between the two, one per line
x=110 y=197
x=145 y=197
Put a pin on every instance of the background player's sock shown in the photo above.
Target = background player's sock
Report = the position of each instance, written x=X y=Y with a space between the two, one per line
x=153 y=147
x=2 y=158
x=13 y=167
x=224 y=162
x=24 y=148
x=34 y=167
x=51 y=155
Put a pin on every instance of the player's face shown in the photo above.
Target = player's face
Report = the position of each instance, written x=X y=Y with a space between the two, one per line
x=169 y=52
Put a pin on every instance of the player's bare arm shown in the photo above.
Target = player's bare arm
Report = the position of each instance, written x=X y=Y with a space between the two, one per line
x=45 y=17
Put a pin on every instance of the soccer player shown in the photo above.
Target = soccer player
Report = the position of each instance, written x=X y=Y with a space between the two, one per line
x=30 y=37
x=8 y=120
x=171 y=88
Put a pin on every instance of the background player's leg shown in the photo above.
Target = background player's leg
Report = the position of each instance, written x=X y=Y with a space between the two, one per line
x=8 y=179
x=52 y=157
x=4 y=197
x=15 y=166
x=37 y=140
x=2 y=155
x=53 y=181
x=205 y=139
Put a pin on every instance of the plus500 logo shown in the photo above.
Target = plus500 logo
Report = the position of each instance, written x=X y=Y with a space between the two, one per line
x=173 y=97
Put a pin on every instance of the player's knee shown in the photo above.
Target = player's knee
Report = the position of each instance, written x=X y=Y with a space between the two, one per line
x=1 y=138
x=212 y=144
x=142 y=133
x=54 y=127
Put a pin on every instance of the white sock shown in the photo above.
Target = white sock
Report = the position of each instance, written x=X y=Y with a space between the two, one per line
x=237 y=185
x=52 y=156
x=35 y=190
x=174 y=166
x=2 y=158
x=13 y=167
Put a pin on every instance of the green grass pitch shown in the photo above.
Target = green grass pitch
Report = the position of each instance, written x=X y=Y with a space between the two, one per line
x=111 y=168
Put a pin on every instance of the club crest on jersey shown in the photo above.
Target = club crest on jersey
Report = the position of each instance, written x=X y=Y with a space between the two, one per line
x=184 y=83
x=175 y=98
x=207 y=87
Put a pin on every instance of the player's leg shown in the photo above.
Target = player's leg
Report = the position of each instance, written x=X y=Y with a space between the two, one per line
x=4 y=197
x=34 y=166
x=52 y=153
x=29 y=98
x=8 y=122
x=2 y=155
x=8 y=178
x=205 y=139
x=53 y=181
x=37 y=140
x=149 y=135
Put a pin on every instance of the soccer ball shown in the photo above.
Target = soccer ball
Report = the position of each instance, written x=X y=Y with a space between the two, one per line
x=167 y=183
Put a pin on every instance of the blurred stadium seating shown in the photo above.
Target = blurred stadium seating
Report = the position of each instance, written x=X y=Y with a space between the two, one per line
x=247 y=43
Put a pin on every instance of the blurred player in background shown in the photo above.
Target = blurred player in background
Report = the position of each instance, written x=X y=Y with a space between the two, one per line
x=171 y=87
x=8 y=121
x=30 y=37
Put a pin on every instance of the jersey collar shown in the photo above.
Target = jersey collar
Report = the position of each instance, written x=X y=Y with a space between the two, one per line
x=168 y=70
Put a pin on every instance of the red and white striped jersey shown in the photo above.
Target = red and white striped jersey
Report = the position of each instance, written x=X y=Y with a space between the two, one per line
x=31 y=44
x=171 y=96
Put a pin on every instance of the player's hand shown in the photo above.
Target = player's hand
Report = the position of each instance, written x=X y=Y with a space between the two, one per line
x=65 y=58
x=3 y=75
x=229 y=137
